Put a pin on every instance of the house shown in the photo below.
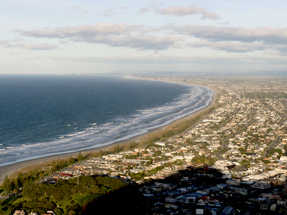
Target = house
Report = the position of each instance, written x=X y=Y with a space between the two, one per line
x=199 y=211
x=19 y=212
x=161 y=185
x=190 y=200
x=170 y=200
x=235 y=182
x=226 y=211
x=159 y=143
x=65 y=174
x=241 y=191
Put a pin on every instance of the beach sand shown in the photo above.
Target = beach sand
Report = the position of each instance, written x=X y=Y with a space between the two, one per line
x=25 y=166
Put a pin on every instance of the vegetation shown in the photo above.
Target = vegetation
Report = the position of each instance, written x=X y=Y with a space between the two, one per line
x=132 y=145
x=80 y=157
x=65 y=197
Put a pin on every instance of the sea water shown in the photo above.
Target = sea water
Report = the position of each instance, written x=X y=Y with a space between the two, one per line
x=43 y=115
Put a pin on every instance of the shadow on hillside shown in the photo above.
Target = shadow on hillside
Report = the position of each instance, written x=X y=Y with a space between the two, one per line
x=192 y=191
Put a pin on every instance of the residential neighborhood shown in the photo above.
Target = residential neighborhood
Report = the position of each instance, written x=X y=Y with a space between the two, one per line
x=232 y=161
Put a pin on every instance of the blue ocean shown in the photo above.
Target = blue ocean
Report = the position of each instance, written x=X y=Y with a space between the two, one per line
x=42 y=115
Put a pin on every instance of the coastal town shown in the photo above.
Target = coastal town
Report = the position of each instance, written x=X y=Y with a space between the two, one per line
x=233 y=160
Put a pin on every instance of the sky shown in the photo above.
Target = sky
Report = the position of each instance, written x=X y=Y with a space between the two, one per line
x=118 y=36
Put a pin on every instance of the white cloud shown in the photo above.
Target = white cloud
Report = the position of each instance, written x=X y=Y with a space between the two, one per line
x=111 y=11
x=144 y=10
x=262 y=34
x=82 y=31
x=229 y=39
x=152 y=7
x=78 y=10
x=28 y=45
x=109 y=34
x=240 y=46
x=184 y=11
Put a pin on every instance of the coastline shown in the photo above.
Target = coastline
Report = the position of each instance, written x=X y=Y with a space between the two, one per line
x=13 y=169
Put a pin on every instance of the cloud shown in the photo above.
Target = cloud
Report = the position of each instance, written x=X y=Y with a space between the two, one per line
x=184 y=11
x=223 y=23
x=63 y=41
x=109 y=34
x=82 y=31
x=110 y=12
x=232 y=46
x=28 y=45
x=77 y=9
x=153 y=6
x=249 y=35
x=140 y=37
x=138 y=42
x=144 y=10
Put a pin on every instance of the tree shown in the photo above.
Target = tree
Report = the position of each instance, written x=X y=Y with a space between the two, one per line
x=117 y=149
x=101 y=152
x=95 y=189
x=132 y=145
x=80 y=156
x=157 y=153
x=16 y=185
x=7 y=184
x=53 y=166
x=58 y=211
x=71 y=160
x=72 y=212
x=20 y=179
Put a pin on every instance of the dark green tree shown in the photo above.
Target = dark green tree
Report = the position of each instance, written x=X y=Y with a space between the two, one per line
x=117 y=149
x=16 y=185
x=58 y=211
x=71 y=160
x=20 y=179
x=7 y=184
x=80 y=156
x=53 y=166
x=132 y=145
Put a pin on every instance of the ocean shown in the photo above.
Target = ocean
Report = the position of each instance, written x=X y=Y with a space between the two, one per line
x=42 y=115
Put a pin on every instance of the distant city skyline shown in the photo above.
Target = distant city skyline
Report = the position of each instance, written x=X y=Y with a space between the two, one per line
x=64 y=37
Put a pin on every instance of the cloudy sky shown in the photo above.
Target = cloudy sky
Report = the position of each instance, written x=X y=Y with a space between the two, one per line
x=69 y=36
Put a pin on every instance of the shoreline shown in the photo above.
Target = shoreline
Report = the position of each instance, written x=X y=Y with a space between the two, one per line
x=24 y=166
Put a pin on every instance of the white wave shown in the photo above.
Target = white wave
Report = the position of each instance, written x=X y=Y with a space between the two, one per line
x=28 y=146
x=75 y=134
x=82 y=135
x=33 y=145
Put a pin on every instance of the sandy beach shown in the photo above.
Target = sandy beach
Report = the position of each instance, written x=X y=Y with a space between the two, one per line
x=13 y=169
